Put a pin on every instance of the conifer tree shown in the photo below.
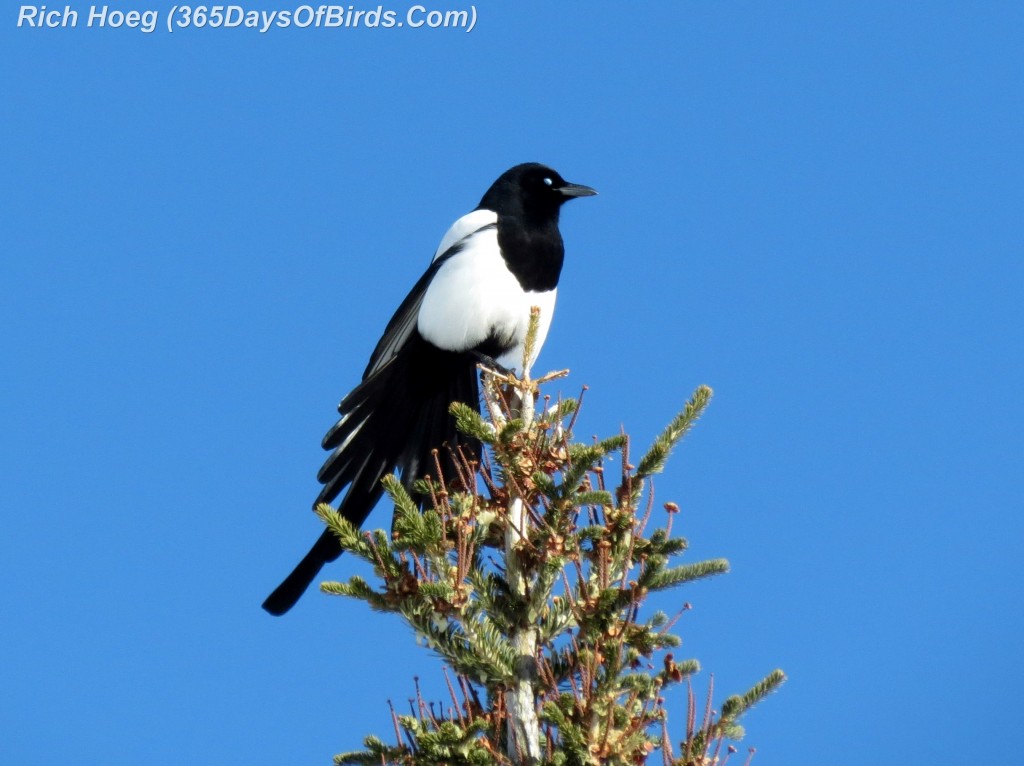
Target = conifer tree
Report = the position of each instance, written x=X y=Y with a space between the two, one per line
x=527 y=574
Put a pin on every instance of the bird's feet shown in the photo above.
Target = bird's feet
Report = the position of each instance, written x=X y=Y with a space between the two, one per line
x=490 y=364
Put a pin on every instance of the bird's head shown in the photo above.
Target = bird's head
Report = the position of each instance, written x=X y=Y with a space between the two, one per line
x=531 y=190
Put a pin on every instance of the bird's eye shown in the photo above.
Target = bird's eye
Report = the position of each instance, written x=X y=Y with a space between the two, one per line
x=548 y=182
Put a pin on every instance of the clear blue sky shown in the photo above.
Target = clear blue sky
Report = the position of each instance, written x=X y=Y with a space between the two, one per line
x=814 y=209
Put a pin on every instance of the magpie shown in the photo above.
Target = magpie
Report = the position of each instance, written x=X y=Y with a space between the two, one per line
x=471 y=305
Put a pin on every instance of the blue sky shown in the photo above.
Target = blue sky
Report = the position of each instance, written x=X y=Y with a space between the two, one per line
x=813 y=208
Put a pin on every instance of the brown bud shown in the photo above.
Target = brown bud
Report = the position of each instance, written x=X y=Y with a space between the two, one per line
x=407 y=585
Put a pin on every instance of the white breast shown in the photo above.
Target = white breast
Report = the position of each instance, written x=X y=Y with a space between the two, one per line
x=474 y=293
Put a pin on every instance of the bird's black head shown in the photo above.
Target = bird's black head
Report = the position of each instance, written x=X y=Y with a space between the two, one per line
x=532 y=191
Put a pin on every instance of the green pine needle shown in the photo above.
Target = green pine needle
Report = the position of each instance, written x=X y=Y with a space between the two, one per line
x=594 y=497
x=669 y=578
x=404 y=504
x=737 y=705
x=561 y=410
x=584 y=457
x=347 y=533
x=469 y=421
x=654 y=461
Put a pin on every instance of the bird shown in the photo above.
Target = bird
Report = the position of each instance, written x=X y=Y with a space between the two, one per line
x=472 y=305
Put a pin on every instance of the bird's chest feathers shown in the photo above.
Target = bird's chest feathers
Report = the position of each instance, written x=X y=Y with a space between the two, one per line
x=533 y=251
x=474 y=299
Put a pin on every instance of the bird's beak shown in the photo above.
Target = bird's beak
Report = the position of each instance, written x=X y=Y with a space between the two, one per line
x=577 y=190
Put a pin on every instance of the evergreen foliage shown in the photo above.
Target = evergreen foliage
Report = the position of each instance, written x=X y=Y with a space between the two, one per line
x=527 y=575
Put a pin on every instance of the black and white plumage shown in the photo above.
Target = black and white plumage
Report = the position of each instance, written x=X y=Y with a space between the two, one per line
x=472 y=303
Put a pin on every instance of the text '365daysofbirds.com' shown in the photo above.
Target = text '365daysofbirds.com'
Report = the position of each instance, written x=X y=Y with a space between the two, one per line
x=239 y=17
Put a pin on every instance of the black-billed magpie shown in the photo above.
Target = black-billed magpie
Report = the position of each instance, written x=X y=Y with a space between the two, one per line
x=472 y=304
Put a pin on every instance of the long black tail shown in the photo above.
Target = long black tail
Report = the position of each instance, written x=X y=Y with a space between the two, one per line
x=391 y=421
x=288 y=592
